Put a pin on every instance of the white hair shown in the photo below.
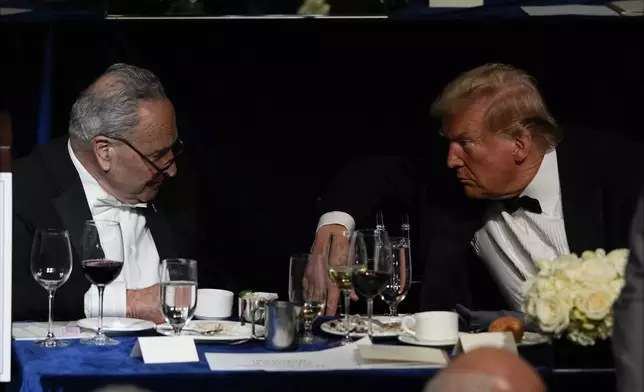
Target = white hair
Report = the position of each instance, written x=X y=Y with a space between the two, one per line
x=112 y=110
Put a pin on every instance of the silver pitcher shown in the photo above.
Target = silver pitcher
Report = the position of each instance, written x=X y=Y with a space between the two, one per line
x=282 y=322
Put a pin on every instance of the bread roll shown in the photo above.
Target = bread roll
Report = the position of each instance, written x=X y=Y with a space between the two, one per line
x=508 y=324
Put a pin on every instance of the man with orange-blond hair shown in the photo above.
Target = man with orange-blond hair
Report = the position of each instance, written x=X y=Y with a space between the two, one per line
x=534 y=190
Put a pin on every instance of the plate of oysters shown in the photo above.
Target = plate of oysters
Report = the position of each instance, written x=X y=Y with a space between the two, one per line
x=383 y=326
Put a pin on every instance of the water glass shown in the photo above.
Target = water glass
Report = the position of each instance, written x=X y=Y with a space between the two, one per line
x=178 y=281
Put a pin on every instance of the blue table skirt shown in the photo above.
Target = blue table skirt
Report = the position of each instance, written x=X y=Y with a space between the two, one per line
x=83 y=368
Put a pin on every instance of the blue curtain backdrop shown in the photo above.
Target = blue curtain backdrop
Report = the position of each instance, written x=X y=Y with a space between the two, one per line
x=273 y=109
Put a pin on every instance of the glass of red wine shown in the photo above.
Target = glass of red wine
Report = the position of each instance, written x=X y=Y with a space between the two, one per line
x=51 y=265
x=102 y=262
x=373 y=266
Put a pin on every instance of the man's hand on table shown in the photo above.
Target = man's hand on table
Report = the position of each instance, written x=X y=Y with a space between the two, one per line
x=144 y=304
x=319 y=254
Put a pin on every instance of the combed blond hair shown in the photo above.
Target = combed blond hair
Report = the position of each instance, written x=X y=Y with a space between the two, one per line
x=511 y=100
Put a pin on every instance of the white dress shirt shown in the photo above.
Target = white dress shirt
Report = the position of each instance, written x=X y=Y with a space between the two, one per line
x=141 y=259
x=509 y=244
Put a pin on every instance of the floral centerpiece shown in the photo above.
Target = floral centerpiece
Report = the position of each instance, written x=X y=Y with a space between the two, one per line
x=574 y=296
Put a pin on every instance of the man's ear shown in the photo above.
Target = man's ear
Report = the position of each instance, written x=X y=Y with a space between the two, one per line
x=522 y=145
x=103 y=151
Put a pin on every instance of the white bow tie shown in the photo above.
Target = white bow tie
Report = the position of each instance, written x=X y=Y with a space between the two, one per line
x=107 y=203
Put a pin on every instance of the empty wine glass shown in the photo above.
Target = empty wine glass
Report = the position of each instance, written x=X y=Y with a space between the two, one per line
x=51 y=265
x=102 y=262
x=398 y=285
x=310 y=298
x=372 y=252
x=178 y=280
x=340 y=267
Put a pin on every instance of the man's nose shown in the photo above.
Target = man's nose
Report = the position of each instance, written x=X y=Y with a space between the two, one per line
x=453 y=161
x=172 y=170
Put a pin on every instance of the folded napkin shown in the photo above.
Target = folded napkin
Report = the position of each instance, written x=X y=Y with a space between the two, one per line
x=473 y=320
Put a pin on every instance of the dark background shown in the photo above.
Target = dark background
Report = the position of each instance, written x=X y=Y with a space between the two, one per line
x=272 y=110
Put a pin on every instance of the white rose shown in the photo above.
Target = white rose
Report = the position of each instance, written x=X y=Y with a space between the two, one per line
x=594 y=303
x=597 y=270
x=552 y=312
x=544 y=286
x=587 y=255
x=619 y=258
x=616 y=287
x=545 y=267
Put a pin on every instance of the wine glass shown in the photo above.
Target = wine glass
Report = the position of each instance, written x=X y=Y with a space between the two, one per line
x=309 y=296
x=372 y=252
x=51 y=265
x=398 y=285
x=178 y=281
x=102 y=262
x=340 y=267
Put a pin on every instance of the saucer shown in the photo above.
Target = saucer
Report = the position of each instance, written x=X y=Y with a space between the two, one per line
x=408 y=339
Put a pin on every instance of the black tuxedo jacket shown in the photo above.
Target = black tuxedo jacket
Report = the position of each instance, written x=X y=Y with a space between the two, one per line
x=600 y=178
x=48 y=194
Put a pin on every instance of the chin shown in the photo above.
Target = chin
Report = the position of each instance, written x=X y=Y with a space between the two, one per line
x=148 y=195
x=472 y=193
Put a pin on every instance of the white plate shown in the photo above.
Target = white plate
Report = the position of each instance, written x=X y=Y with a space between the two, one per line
x=529 y=339
x=328 y=327
x=408 y=339
x=210 y=318
x=116 y=324
x=232 y=330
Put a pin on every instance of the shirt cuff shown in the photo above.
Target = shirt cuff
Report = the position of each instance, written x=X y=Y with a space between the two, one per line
x=114 y=301
x=337 y=218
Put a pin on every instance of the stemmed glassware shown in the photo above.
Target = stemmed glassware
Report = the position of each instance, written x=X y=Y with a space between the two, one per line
x=398 y=285
x=372 y=254
x=51 y=265
x=102 y=262
x=178 y=280
x=308 y=291
x=401 y=277
x=340 y=267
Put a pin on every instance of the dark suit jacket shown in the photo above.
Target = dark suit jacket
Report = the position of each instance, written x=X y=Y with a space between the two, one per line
x=48 y=194
x=628 y=334
x=599 y=177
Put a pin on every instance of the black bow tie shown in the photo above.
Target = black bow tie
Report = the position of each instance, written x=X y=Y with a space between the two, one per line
x=525 y=202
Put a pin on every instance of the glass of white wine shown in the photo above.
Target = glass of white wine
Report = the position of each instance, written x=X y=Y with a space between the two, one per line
x=178 y=281
x=307 y=290
x=340 y=267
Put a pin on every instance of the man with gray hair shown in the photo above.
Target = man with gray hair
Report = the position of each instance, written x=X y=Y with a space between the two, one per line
x=121 y=151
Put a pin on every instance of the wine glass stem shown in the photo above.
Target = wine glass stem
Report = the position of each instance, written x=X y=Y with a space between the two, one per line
x=347 y=303
x=308 y=334
x=99 y=332
x=50 y=331
x=393 y=309
x=369 y=315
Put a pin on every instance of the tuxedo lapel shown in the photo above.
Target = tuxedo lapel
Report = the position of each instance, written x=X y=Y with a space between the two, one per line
x=581 y=196
x=74 y=212
x=159 y=225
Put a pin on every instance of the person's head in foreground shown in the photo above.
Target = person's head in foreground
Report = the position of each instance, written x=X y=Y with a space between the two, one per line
x=123 y=130
x=498 y=127
x=487 y=370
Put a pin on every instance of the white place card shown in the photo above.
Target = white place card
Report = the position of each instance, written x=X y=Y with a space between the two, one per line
x=345 y=357
x=165 y=349
x=470 y=341
x=383 y=353
x=455 y=3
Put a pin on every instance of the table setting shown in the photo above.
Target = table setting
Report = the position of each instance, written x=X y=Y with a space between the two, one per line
x=269 y=335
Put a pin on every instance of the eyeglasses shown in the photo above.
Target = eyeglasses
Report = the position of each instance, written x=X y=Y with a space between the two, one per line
x=176 y=148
